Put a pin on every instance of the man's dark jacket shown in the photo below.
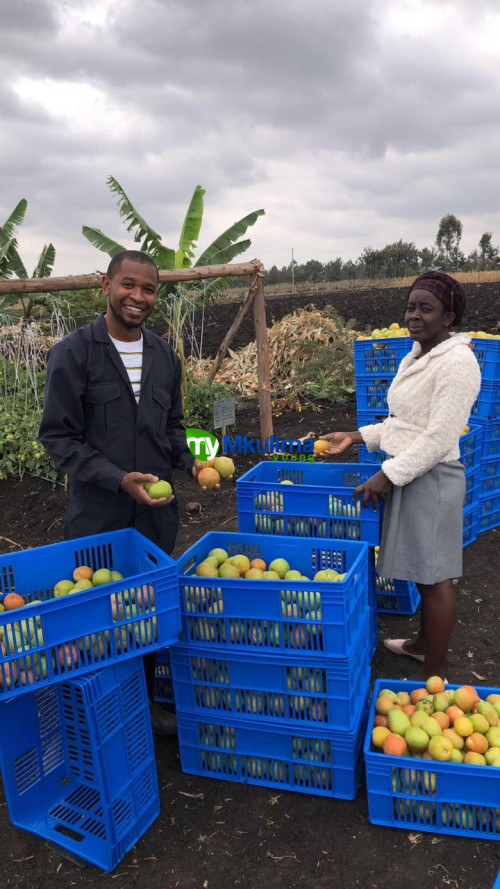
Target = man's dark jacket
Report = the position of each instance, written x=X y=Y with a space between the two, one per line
x=95 y=431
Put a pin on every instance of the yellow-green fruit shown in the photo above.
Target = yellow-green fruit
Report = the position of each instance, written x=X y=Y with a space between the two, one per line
x=281 y=567
x=398 y=722
x=101 y=576
x=159 y=490
x=62 y=588
x=224 y=466
x=219 y=553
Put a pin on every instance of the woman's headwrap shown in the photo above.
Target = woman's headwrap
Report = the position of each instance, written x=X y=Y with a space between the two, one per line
x=448 y=291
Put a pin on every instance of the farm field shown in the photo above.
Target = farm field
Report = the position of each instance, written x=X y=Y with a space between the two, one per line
x=216 y=835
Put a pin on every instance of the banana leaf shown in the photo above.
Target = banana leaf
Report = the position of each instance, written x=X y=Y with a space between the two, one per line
x=190 y=229
x=101 y=241
x=227 y=238
x=45 y=262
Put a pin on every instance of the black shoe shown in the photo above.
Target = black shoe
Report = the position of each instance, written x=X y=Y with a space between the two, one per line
x=162 y=722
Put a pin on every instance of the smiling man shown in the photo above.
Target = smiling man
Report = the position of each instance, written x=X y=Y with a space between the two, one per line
x=112 y=418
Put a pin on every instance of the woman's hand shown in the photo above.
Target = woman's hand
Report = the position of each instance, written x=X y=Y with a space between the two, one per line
x=341 y=441
x=374 y=487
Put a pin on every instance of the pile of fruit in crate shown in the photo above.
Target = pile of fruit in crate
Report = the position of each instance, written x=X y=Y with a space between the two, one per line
x=394 y=330
x=219 y=564
x=24 y=637
x=437 y=723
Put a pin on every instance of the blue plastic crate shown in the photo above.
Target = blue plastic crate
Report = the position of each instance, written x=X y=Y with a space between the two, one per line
x=470 y=527
x=274 y=688
x=55 y=638
x=317 y=503
x=371 y=393
x=496 y=884
x=78 y=763
x=318 y=761
x=488 y=512
x=426 y=795
x=163 y=690
x=396 y=596
x=491 y=439
x=287 y=616
x=369 y=418
x=380 y=357
x=489 y=476
x=487 y=353
x=472 y=488
x=364 y=455
x=487 y=405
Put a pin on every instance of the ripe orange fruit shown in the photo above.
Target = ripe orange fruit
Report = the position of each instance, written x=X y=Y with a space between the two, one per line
x=82 y=573
x=12 y=601
x=258 y=563
x=395 y=745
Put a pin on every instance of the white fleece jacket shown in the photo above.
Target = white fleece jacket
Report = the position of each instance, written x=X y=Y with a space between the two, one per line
x=429 y=401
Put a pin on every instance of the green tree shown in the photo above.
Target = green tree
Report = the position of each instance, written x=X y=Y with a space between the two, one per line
x=489 y=253
x=448 y=241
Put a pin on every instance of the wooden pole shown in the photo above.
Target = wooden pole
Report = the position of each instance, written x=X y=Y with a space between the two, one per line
x=226 y=342
x=263 y=371
x=92 y=282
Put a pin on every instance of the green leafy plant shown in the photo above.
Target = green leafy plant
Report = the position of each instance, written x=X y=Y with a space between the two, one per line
x=199 y=401
x=325 y=370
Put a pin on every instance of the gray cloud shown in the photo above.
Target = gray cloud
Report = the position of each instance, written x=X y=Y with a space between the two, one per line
x=349 y=123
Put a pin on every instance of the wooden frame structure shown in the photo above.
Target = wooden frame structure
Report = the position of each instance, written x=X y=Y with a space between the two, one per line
x=255 y=297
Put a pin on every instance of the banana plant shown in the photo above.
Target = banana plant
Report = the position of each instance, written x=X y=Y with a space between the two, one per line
x=12 y=264
x=223 y=250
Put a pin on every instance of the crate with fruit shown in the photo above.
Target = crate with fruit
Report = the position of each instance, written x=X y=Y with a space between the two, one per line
x=266 y=593
x=306 y=500
x=68 y=608
x=432 y=753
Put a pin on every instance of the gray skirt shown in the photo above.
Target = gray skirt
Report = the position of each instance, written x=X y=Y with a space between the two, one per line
x=422 y=530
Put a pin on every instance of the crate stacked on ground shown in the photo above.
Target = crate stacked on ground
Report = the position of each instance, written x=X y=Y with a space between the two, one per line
x=272 y=681
x=486 y=412
x=57 y=648
x=441 y=797
x=309 y=500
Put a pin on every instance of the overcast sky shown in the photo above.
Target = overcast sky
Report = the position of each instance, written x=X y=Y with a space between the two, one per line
x=353 y=123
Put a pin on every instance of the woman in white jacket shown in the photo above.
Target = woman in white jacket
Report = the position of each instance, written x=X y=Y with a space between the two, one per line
x=421 y=480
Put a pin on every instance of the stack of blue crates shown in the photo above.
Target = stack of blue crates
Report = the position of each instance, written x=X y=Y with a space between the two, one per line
x=76 y=747
x=272 y=681
x=376 y=363
x=486 y=413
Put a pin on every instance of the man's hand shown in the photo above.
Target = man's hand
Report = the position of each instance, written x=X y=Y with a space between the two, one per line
x=339 y=441
x=374 y=487
x=133 y=484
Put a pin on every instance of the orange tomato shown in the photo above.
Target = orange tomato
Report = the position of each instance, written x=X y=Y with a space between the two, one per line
x=12 y=601
x=82 y=573
x=395 y=745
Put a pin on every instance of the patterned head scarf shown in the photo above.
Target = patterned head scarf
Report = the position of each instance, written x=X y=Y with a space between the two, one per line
x=448 y=291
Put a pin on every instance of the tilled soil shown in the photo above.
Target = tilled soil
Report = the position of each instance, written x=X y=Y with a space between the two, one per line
x=213 y=834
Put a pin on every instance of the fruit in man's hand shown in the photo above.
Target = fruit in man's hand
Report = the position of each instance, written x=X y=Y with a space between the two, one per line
x=159 y=490
x=208 y=478
x=224 y=466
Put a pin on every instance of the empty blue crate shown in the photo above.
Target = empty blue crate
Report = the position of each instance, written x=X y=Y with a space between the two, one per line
x=487 y=405
x=306 y=500
x=317 y=761
x=487 y=353
x=274 y=688
x=488 y=512
x=380 y=357
x=78 y=763
x=51 y=639
x=163 y=689
x=298 y=617
x=427 y=795
x=371 y=393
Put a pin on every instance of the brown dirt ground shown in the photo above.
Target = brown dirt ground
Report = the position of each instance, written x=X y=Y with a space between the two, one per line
x=224 y=834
